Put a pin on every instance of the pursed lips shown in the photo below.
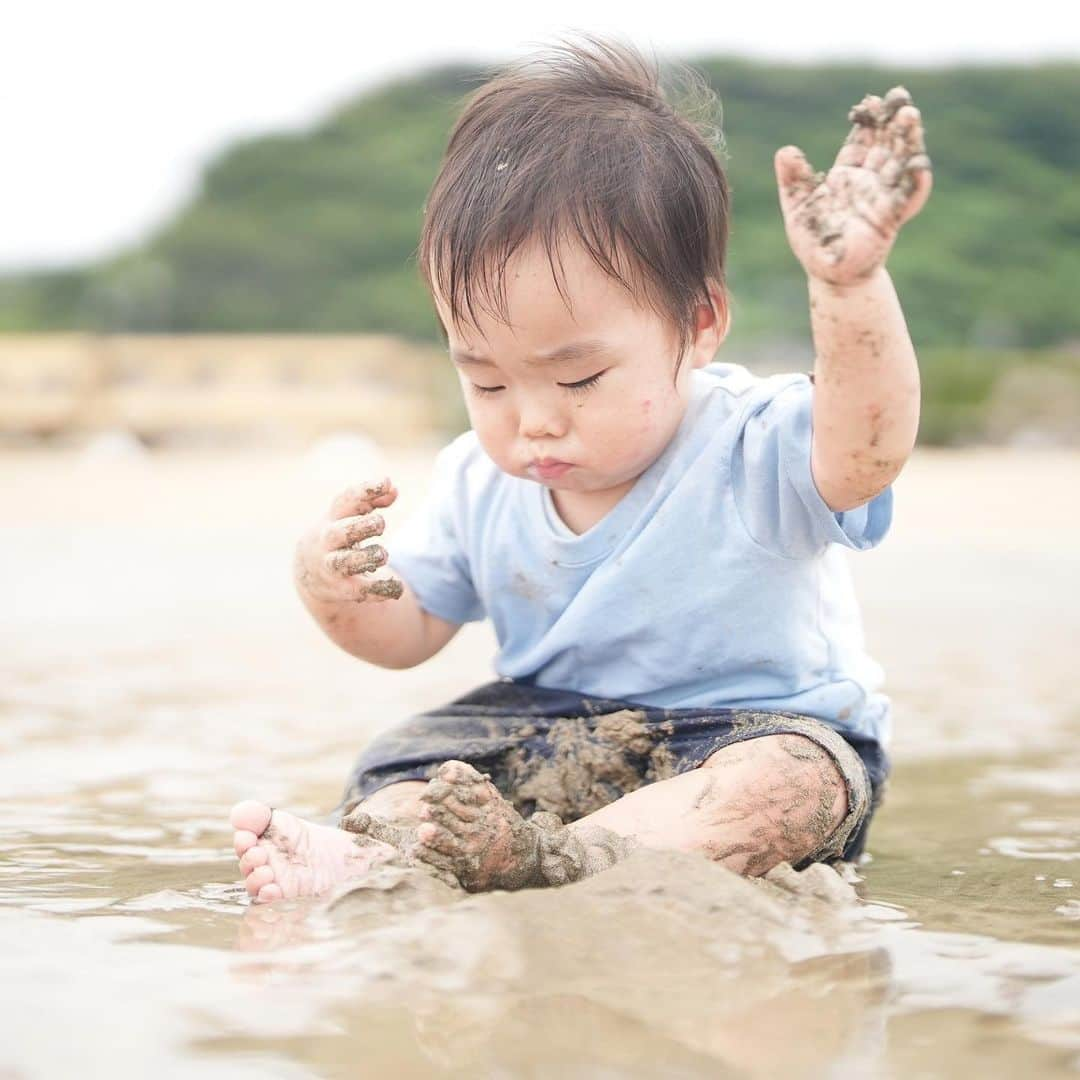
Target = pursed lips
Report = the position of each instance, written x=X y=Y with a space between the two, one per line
x=548 y=468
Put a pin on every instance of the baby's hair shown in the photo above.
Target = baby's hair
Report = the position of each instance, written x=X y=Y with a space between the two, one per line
x=582 y=143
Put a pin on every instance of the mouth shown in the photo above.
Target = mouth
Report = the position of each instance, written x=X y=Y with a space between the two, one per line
x=548 y=468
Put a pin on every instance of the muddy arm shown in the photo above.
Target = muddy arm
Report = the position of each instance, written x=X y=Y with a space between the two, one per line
x=866 y=389
x=842 y=226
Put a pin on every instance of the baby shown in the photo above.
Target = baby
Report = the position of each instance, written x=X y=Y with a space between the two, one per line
x=656 y=537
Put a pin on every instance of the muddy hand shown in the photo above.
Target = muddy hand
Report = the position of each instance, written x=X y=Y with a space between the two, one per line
x=842 y=225
x=333 y=560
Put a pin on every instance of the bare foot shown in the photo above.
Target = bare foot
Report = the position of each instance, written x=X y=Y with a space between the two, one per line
x=471 y=833
x=282 y=856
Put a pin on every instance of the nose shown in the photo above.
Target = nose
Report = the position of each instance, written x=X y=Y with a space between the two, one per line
x=538 y=419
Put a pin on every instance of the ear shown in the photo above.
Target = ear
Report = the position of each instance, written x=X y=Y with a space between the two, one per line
x=713 y=324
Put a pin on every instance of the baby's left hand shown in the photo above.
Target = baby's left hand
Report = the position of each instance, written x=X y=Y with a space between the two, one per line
x=841 y=226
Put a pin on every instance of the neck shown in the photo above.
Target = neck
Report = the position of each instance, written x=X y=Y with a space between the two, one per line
x=581 y=510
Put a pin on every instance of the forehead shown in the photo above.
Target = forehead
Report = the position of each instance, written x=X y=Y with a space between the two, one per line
x=591 y=303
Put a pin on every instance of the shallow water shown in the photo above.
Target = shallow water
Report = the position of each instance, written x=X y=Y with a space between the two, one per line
x=155 y=667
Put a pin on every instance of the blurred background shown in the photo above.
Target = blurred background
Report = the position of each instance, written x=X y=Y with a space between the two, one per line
x=208 y=219
x=211 y=321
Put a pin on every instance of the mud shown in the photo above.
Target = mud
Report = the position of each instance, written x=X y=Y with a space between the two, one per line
x=587 y=769
x=738 y=907
x=478 y=838
x=824 y=755
x=825 y=209
x=569 y=855
x=399 y=834
x=471 y=835
x=387 y=589
x=555 y=772
x=474 y=836
x=660 y=941
x=388 y=892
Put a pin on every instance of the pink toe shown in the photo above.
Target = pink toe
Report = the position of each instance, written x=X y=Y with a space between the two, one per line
x=243 y=840
x=260 y=876
x=269 y=893
x=436 y=838
x=250 y=815
x=253 y=857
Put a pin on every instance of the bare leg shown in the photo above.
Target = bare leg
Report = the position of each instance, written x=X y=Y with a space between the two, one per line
x=399 y=801
x=750 y=806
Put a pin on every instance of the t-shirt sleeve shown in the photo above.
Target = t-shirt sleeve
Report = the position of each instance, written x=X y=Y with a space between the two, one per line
x=774 y=488
x=429 y=551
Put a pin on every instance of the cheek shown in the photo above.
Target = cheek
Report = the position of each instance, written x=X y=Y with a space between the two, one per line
x=494 y=427
x=485 y=423
x=659 y=412
x=647 y=414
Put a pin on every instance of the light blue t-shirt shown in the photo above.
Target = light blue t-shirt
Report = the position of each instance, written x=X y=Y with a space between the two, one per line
x=717 y=580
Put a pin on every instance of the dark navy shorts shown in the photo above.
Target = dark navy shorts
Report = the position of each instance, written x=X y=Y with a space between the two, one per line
x=561 y=752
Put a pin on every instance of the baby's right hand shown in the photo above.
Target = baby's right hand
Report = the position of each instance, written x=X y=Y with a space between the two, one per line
x=332 y=562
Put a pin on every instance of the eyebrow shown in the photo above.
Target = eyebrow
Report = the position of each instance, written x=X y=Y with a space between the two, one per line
x=576 y=350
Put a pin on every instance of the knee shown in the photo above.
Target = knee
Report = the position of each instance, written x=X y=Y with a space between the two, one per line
x=815 y=791
x=783 y=798
x=400 y=801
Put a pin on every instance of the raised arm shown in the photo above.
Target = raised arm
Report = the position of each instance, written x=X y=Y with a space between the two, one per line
x=841 y=227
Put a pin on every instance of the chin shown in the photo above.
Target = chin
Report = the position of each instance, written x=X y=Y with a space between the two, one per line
x=557 y=485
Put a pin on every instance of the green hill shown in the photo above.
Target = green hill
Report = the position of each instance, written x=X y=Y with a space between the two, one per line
x=315 y=231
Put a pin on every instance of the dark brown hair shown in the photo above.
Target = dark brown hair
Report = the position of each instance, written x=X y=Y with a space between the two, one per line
x=581 y=141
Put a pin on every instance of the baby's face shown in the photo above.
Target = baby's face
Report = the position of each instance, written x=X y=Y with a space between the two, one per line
x=586 y=419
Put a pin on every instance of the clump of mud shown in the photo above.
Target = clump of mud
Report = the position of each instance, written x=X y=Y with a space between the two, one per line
x=589 y=766
x=667 y=956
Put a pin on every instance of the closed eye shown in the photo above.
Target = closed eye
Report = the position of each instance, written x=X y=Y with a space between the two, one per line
x=579 y=387
x=583 y=384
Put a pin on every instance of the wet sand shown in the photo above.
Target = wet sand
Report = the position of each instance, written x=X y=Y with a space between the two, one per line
x=157 y=667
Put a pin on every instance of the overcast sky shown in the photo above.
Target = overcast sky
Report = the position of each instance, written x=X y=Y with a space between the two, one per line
x=110 y=108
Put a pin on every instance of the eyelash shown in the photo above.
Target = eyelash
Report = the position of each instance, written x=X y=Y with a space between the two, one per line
x=583 y=386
